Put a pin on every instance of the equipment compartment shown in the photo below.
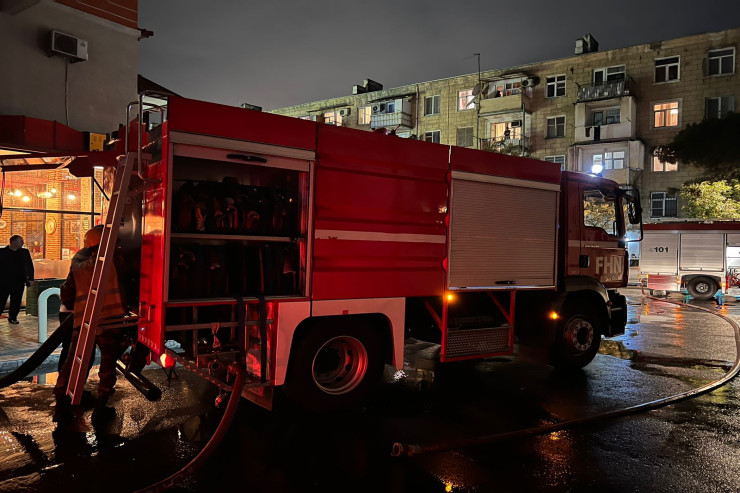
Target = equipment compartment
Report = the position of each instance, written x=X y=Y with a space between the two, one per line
x=237 y=229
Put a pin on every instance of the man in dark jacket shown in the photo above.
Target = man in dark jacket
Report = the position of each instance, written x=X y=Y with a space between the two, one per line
x=16 y=267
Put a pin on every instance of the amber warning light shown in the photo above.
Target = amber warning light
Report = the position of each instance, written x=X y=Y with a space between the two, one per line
x=554 y=315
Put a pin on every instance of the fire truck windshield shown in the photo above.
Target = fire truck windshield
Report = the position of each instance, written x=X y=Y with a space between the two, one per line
x=602 y=211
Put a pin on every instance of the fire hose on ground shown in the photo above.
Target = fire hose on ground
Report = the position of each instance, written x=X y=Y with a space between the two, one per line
x=215 y=440
x=38 y=357
x=412 y=449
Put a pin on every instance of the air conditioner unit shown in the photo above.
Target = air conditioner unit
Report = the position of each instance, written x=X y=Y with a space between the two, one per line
x=378 y=108
x=68 y=46
x=528 y=82
x=516 y=123
x=344 y=112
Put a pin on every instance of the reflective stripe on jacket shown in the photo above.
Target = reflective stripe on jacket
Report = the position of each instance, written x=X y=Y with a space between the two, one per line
x=82 y=270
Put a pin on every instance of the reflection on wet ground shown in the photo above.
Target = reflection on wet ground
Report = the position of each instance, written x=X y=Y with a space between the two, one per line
x=288 y=450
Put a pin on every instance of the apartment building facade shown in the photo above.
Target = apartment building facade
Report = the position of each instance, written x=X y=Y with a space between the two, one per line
x=604 y=108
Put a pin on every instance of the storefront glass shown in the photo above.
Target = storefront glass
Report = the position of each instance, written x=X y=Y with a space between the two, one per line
x=51 y=210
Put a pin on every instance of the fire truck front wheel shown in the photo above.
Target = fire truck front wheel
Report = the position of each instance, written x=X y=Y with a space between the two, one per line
x=702 y=288
x=336 y=364
x=578 y=339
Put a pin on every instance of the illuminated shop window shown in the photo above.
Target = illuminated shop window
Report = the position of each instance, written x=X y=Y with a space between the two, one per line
x=51 y=210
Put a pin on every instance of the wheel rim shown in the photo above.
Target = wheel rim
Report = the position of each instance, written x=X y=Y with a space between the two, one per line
x=340 y=365
x=702 y=287
x=579 y=334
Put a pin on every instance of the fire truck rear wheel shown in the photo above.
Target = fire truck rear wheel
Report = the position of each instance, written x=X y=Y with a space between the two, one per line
x=336 y=365
x=578 y=339
x=702 y=288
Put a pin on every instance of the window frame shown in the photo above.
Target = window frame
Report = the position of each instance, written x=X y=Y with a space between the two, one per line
x=433 y=98
x=606 y=75
x=472 y=136
x=431 y=133
x=555 y=158
x=332 y=117
x=666 y=67
x=720 y=73
x=364 y=115
x=665 y=197
x=556 y=125
x=664 y=166
x=730 y=106
x=465 y=100
x=555 y=84
x=678 y=110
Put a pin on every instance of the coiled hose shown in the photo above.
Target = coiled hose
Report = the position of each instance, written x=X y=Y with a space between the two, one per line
x=406 y=449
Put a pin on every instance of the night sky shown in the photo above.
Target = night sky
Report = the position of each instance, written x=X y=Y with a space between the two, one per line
x=273 y=53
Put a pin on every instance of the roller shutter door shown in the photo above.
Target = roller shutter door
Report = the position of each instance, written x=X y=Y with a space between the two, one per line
x=502 y=235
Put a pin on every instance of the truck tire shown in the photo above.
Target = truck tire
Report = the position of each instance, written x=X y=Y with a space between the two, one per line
x=702 y=288
x=578 y=339
x=335 y=365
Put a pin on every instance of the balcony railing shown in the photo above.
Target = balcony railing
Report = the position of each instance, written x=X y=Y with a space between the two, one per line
x=391 y=120
x=501 y=104
x=502 y=145
x=604 y=90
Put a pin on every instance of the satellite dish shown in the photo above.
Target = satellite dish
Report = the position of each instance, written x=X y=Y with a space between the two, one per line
x=480 y=87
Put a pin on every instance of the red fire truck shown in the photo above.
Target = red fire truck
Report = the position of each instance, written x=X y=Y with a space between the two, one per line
x=700 y=256
x=308 y=252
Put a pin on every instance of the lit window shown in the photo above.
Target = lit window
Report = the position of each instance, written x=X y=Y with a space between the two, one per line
x=660 y=166
x=721 y=62
x=465 y=137
x=555 y=127
x=667 y=69
x=431 y=105
x=333 y=118
x=610 y=160
x=506 y=88
x=665 y=114
x=364 y=114
x=719 y=107
x=559 y=159
x=506 y=131
x=465 y=100
x=433 y=136
x=556 y=86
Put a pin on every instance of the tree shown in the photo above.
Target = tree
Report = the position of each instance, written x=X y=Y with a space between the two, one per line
x=711 y=144
x=712 y=200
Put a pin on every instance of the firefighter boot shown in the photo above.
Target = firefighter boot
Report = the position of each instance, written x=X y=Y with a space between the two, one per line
x=102 y=413
x=63 y=414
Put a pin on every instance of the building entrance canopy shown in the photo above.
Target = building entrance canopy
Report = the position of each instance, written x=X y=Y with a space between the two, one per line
x=80 y=165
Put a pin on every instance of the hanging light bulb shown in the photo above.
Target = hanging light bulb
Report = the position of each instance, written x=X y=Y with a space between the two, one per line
x=71 y=196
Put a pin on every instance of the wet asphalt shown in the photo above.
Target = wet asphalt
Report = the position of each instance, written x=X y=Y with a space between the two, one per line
x=688 y=446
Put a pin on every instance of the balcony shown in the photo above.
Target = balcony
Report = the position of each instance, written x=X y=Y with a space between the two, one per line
x=502 y=145
x=503 y=104
x=621 y=124
x=391 y=120
x=604 y=90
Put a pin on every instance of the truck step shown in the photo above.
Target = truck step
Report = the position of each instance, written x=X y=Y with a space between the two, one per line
x=474 y=342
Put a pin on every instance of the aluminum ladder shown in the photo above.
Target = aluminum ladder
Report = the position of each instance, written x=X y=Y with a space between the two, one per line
x=103 y=264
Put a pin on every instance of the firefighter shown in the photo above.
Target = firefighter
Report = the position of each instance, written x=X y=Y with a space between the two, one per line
x=74 y=292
